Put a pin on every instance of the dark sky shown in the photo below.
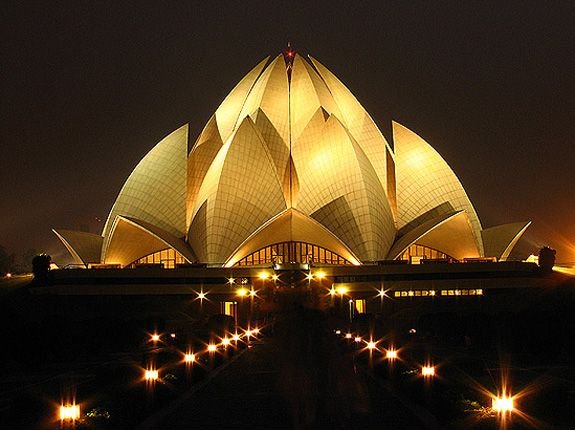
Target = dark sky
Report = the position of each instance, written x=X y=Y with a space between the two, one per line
x=88 y=87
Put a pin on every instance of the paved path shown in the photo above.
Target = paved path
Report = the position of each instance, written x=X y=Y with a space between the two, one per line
x=297 y=379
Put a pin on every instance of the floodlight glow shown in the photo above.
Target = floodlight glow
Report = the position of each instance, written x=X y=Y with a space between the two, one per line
x=332 y=292
x=275 y=277
x=155 y=337
x=338 y=332
x=381 y=293
x=231 y=280
x=263 y=275
x=253 y=293
x=348 y=336
x=309 y=276
x=212 y=347
x=428 y=371
x=236 y=337
x=391 y=354
x=249 y=333
x=201 y=295
x=190 y=358
x=357 y=339
x=242 y=292
x=502 y=404
x=255 y=330
x=320 y=275
x=151 y=375
x=69 y=412
x=371 y=345
x=173 y=335
x=342 y=290
x=225 y=341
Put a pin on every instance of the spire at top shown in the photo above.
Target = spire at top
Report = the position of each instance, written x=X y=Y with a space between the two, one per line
x=289 y=56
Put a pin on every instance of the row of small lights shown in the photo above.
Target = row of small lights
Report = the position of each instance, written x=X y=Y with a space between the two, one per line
x=70 y=413
x=503 y=404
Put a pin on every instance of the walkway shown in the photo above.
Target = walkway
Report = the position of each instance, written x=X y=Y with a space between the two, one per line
x=297 y=379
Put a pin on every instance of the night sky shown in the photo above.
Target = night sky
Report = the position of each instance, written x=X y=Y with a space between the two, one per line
x=88 y=87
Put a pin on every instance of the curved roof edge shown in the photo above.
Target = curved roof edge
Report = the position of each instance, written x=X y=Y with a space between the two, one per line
x=413 y=235
x=453 y=237
x=500 y=240
x=85 y=247
x=131 y=239
x=425 y=180
x=291 y=225
x=156 y=187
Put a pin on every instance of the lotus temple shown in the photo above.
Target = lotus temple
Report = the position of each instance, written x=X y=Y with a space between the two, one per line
x=291 y=168
x=292 y=184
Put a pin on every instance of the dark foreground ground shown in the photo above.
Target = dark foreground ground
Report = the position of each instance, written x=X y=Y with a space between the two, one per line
x=298 y=378
x=300 y=373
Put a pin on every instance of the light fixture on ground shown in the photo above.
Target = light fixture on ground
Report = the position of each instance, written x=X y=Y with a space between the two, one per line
x=428 y=371
x=69 y=413
x=151 y=375
x=503 y=404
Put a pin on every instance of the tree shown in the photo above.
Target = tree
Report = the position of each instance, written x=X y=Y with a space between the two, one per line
x=546 y=259
x=41 y=267
x=6 y=261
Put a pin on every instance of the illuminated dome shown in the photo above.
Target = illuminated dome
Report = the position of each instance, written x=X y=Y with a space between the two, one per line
x=290 y=167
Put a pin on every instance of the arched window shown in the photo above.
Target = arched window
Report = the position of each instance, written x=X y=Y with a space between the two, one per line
x=424 y=252
x=167 y=257
x=292 y=252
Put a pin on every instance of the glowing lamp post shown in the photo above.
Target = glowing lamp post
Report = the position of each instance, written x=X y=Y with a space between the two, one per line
x=391 y=354
x=503 y=404
x=428 y=371
x=69 y=414
x=151 y=375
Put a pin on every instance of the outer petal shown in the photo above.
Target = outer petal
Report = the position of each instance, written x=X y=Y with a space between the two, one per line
x=241 y=191
x=500 y=240
x=360 y=125
x=155 y=192
x=85 y=247
x=340 y=189
x=425 y=181
x=131 y=239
